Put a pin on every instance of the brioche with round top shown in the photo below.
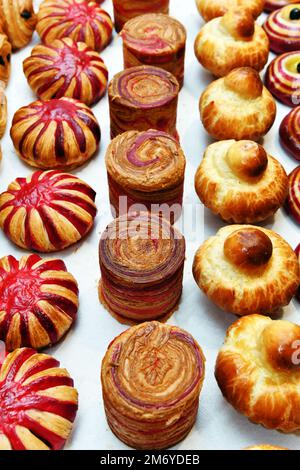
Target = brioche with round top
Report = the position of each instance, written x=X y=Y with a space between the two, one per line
x=210 y=9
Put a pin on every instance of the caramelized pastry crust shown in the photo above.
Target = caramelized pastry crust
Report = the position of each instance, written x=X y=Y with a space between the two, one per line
x=3 y=112
x=289 y=132
x=283 y=29
x=265 y=447
x=293 y=199
x=283 y=78
x=210 y=9
x=17 y=21
x=271 y=5
x=152 y=376
x=5 y=56
x=125 y=10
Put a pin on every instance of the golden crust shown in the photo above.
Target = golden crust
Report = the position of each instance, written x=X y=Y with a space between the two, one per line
x=5 y=55
x=17 y=21
x=210 y=9
x=3 y=112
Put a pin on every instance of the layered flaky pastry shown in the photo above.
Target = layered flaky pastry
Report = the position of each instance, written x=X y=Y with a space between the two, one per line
x=5 y=58
x=3 y=111
x=17 y=21
x=210 y=9
x=125 y=10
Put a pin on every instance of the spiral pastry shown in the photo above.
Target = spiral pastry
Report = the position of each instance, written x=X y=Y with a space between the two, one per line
x=66 y=68
x=17 y=21
x=38 y=301
x=48 y=211
x=148 y=168
x=293 y=199
x=3 y=112
x=289 y=133
x=283 y=29
x=124 y=10
x=81 y=20
x=152 y=376
x=271 y=5
x=5 y=55
x=141 y=261
x=155 y=39
x=38 y=402
x=283 y=78
x=55 y=134
x=143 y=98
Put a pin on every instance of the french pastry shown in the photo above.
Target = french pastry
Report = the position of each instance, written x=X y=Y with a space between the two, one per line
x=210 y=9
x=152 y=376
x=293 y=199
x=245 y=269
x=66 y=68
x=283 y=78
x=3 y=111
x=38 y=402
x=142 y=98
x=55 y=134
x=147 y=168
x=271 y=5
x=141 y=261
x=289 y=133
x=38 y=301
x=155 y=39
x=233 y=40
x=47 y=211
x=240 y=182
x=265 y=447
x=283 y=29
x=237 y=106
x=124 y=10
x=17 y=21
x=258 y=372
x=81 y=20
x=5 y=56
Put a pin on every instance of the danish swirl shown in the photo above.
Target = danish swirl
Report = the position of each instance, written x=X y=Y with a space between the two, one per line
x=5 y=56
x=210 y=9
x=124 y=10
x=289 y=132
x=17 y=21
x=283 y=29
x=283 y=78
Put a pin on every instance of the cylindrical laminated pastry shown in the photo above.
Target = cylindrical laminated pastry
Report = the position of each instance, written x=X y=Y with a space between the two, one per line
x=289 y=132
x=233 y=40
x=271 y=5
x=237 y=106
x=17 y=21
x=80 y=20
x=155 y=39
x=38 y=402
x=245 y=269
x=5 y=57
x=293 y=199
x=210 y=9
x=47 y=211
x=143 y=98
x=283 y=29
x=56 y=134
x=240 y=182
x=125 y=10
x=147 y=168
x=152 y=376
x=38 y=301
x=265 y=447
x=283 y=78
x=258 y=371
x=3 y=111
x=141 y=260
x=66 y=68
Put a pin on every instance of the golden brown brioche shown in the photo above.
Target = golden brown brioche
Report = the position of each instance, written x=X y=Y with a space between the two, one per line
x=265 y=447
x=245 y=269
x=230 y=41
x=258 y=371
x=240 y=182
x=210 y=9
x=237 y=106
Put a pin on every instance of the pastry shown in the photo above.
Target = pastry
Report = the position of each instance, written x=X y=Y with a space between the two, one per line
x=245 y=269
x=155 y=39
x=141 y=260
x=142 y=98
x=237 y=106
x=56 y=134
x=293 y=199
x=258 y=371
x=147 y=168
x=47 y=211
x=3 y=111
x=289 y=133
x=233 y=40
x=283 y=78
x=283 y=29
x=271 y=5
x=84 y=78
x=17 y=21
x=81 y=20
x=38 y=301
x=38 y=402
x=5 y=56
x=240 y=182
x=265 y=447
x=210 y=9
x=124 y=10
x=152 y=376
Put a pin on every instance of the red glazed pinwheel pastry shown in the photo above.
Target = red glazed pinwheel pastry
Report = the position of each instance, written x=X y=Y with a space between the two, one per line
x=293 y=199
x=17 y=21
x=5 y=55
x=3 y=112
x=271 y=5
x=81 y=20
x=38 y=301
x=283 y=29
x=66 y=68
x=143 y=98
x=124 y=10
x=152 y=376
x=38 y=402
x=289 y=133
x=283 y=78
x=48 y=211
x=141 y=261
x=56 y=134
x=155 y=39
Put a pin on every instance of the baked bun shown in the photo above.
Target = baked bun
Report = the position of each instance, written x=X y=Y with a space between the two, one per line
x=245 y=269
x=289 y=133
x=125 y=10
x=265 y=447
x=3 y=112
x=48 y=211
x=210 y=9
x=84 y=79
x=237 y=106
x=271 y=5
x=283 y=29
x=283 y=78
x=17 y=21
x=38 y=402
x=5 y=56
x=240 y=182
x=293 y=199
x=56 y=134
x=233 y=40
x=258 y=371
